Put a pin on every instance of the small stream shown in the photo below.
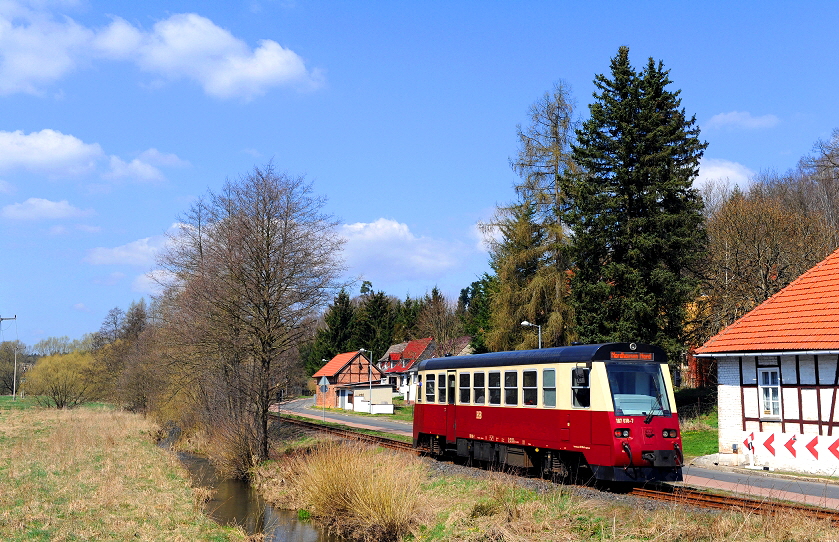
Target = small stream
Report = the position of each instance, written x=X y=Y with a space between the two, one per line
x=237 y=503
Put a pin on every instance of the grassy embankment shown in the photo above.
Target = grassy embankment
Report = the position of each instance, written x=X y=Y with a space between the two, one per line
x=698 y=421
x=93 y=474
x=376 y=495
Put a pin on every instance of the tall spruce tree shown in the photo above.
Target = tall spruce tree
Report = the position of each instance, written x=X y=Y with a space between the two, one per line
x=335 y=337
x=374 y=323
x=635 y=217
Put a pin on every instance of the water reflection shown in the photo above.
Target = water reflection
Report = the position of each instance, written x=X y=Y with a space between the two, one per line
x=237 y=503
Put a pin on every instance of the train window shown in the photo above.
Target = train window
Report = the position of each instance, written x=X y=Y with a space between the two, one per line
x=429 y=389
x=441 y=388
x=465 y=389
x=580 y=390
x=452 y=383
x=529 y=392
x=549 y=387
x=478 y=387
x=511 y=388
x=494 y=388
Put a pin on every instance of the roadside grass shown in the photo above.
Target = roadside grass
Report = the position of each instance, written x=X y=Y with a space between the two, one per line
x=7 y=402
x=325 y=486
x=699 y=422
x=94 y=474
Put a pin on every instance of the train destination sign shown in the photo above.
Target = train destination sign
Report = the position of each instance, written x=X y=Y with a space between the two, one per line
x=643 y=356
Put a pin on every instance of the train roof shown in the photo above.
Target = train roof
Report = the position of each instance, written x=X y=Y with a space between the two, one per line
x=581 y=353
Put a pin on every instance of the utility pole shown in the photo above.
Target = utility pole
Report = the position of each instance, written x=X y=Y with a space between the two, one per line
x=14 y=377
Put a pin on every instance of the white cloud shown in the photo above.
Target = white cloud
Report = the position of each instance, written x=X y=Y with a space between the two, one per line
x=38 y=47
x=742 y=120
x=6 y=187
x=38 y=209
x=81 y=307
x=140 y=252
x=715 y=169
x=192 y=46
x=157 y=158
x=387 y=250
x=56 y=154
x=135 y=169
x=152 y=283
x=47 y=151
x=58 y=230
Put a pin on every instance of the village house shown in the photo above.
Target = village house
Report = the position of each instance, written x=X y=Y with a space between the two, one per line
x=778 y=377
x=351 y=378
x=400 y=361
x=398 y=366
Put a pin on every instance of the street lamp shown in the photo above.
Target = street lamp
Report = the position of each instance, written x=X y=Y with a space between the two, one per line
x=538 y=327
x=369 y=376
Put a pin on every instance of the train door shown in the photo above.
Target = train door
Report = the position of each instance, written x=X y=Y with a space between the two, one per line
x=451 y=383
x=580 y=415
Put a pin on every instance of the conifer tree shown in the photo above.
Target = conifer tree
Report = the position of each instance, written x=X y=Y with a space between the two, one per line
x=532 y=260
x=635 y=217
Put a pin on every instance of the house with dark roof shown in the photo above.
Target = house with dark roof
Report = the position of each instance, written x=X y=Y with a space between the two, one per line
x=778 y=377
x=351 y=380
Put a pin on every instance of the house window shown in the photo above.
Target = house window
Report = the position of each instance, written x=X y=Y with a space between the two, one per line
x=529 y=392
x=465 y=390
x=478 y=387
x=495 y=388
x=769 y=383
x=580 y=390
x=511 y=388
x=429 y=389
x=549 y=387
x=441 y=388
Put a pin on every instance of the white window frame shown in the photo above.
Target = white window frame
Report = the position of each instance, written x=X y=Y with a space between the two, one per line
x=766 y=389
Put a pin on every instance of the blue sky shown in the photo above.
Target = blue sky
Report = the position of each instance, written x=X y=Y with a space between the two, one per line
x=115 y=116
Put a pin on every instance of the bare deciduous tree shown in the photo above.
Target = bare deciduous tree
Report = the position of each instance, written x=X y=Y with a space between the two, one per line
x=250 y=265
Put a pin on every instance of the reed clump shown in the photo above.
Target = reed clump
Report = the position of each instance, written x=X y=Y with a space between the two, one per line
x=358 y=491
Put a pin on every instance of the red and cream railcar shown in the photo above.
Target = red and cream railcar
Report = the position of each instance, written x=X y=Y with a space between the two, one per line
x=605 y=407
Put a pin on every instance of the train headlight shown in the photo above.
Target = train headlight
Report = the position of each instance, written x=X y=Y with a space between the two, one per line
x=621 y=433
x=669 y=433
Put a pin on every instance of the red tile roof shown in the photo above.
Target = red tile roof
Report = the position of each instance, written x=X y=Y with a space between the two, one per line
x=802 y=316
x=415 y=348
x=335 y=365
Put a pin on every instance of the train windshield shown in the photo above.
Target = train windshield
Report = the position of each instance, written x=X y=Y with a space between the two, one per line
x=638 y=389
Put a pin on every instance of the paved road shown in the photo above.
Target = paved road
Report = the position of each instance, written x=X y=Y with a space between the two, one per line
x=761 y=484
x=758 y=484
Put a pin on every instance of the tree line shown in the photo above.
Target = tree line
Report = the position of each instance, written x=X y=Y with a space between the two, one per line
x=606 y=239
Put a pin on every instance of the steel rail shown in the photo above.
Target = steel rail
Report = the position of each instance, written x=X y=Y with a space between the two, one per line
x=704 y=499
x=676 y=495
x=354 y=435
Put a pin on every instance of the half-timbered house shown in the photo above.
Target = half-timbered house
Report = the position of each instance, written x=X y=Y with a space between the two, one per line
x=778 y=377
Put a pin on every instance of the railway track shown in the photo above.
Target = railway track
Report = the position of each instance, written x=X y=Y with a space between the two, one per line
x=672 y=494
x=704 y=499
x=384 y=442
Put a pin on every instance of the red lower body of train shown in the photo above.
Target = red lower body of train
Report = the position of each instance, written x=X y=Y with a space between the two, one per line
x=606 y=446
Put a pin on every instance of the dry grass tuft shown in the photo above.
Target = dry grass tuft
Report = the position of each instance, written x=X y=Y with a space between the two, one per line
x=362 y=492
x=93 y=475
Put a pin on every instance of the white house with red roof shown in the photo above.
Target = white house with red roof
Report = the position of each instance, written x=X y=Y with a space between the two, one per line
x=401 y=359
x=778 y=377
